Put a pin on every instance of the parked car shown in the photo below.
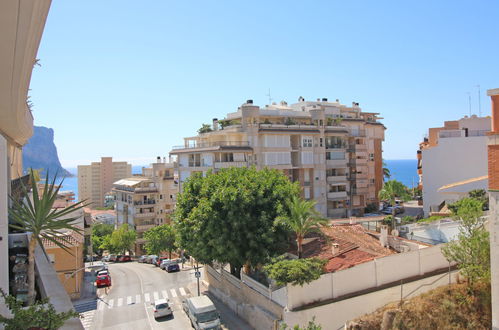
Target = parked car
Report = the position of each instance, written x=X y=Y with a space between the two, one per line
x=112 y=257
x=142 y=259
x=103 y=281
x=387 y=210
x=162 y=308
x=153 y=260
x=105 y=258
x=202 y=313
x=102 y=272
x=124 y=259
x=165 y=263
x=150 y=258
x=173 y=268
x=160 y=260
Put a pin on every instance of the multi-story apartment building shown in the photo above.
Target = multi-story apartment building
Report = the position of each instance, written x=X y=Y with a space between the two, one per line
x=146 y=201
x=333 y=151
x=96 y=180
x=452 y=160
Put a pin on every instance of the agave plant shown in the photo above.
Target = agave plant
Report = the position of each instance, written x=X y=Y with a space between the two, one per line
x=35 y=214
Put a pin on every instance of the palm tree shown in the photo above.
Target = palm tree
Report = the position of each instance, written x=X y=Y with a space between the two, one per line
x=302 y=219
x=391 y=191
x=386 y=171
x=36 y=216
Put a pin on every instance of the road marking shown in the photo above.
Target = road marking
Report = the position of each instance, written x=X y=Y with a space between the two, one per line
x=137 y=299
x=165 y=294
x=120 y=302
x=174 y=294
x=110 y=303
x=182 y=291
x=156 y=296
x=129 y=300
x=146 y=297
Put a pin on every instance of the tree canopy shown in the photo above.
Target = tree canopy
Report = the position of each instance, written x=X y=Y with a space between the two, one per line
x=229 y=217
x=295 y=271
x=159 y=239
x=471 y=250
x=101 y=233
x=123 y=238
x=393 y=190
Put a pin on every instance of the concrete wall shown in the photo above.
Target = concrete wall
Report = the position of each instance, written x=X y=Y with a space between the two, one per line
x=254 y=307
x=369 y=275
x=452 y=160
x=66 y=264
x=4 y=192
x=335 y=315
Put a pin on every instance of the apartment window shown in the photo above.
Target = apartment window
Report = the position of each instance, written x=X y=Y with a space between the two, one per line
x=335 y=142
x=307 y=142
x=320 y=142
x=335 y=155
x=371 y=157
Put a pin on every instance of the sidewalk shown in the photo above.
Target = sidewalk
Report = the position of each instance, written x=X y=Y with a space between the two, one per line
x=88 y=289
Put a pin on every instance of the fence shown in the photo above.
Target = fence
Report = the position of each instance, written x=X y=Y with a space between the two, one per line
x=370 y=275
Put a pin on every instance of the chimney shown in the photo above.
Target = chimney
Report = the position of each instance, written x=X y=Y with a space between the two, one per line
x=158 y=159
x=335 y=249
x=383 y=238
x=249 y=101
x=324 y=99
x=494 y=98
x=215 y=124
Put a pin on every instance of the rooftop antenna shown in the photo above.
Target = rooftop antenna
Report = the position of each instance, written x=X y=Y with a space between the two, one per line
x=469 y=102
x=270 y=98
x=479 y=103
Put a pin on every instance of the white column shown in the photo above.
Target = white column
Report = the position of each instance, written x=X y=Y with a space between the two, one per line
x=494 y=255
x=4 y=223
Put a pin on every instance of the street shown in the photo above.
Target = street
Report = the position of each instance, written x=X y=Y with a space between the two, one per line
x=127 y=304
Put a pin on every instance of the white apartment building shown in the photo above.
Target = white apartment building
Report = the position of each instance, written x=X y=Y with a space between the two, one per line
x=452 y=160
x=332 y=150
x=146 y=201
x=96 y=180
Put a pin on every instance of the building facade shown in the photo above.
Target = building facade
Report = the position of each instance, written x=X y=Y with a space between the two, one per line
x=452 y=160
x=96 y=180
x=333 y=151
x=146 y=201
x=21 y=28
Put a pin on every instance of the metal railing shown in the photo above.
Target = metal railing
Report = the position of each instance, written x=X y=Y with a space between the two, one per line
x=214 y=144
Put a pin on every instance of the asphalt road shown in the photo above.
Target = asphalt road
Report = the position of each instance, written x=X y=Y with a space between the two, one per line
x=127 y=304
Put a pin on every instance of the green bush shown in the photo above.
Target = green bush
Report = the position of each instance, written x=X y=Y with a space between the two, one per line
x=295 y=271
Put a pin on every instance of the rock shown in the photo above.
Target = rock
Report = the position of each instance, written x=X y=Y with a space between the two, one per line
x=41 y=153
x=388 y=317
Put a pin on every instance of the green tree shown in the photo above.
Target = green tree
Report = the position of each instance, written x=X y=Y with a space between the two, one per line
x=302 y=219
x=480 y=195
x=230 y=216
x=205 y=128
x=391 y=191
x=160 y=238
x=41 y=315
x=386 y=171
x=36 y=215
x=471 y=250
x=123 y=238
x=99 y=233
x=295 y=271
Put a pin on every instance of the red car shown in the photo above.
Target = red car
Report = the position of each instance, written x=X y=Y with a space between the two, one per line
x=103 y=281
x=125 y=259
x=159 y=260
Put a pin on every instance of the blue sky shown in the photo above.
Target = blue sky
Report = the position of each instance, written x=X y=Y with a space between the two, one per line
x=130 y=79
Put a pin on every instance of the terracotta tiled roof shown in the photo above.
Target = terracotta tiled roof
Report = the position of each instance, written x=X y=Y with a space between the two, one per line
x=356 y=246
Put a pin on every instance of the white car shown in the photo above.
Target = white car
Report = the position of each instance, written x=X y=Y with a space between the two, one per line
x=162 y=308
x=164 y=264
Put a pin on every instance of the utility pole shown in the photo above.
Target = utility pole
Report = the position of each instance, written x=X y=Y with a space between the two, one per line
x=469 y=102
x=479 y=103
x=270 y=98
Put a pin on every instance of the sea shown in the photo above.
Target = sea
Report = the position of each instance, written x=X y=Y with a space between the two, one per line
x=403 y=170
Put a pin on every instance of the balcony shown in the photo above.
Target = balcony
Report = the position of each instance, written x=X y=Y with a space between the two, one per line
x=360 y=191
x=146 y=203
x=336 y=162
x=144 y=215
x=230 y=164
x=144 y=227
x=215 y=144
x=146 y=190
x=360 y=133
x=336 y=178
x=337 y=195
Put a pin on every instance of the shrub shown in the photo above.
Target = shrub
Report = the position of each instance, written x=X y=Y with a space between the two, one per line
x=295 y=271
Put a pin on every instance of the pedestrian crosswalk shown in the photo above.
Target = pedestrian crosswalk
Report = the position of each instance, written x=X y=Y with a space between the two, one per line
x=137 y=299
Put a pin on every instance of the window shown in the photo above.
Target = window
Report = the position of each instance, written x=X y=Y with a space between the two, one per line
x=320 y=142
x=335 y=155
x=371 y=157
x=307 y=142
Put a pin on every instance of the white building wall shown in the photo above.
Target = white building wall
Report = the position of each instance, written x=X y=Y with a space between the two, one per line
x=4 y=191
x=452 y=160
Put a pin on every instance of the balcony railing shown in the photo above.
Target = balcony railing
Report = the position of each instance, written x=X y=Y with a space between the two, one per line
x=144 y=203
x=145 y=215
x=146 y=190
x=336 y=178
x=337 y=195
x=214 y=144
x=360 y=132
x=230 y=164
